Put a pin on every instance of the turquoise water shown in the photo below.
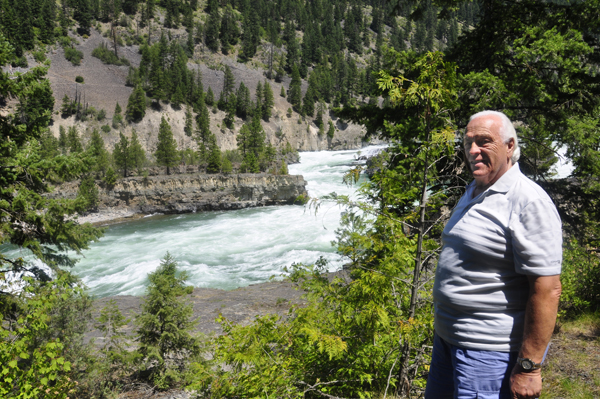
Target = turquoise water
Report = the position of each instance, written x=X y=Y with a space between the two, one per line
x=224 y=249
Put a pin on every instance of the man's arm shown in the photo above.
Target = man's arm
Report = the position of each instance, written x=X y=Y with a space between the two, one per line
x=540 y=318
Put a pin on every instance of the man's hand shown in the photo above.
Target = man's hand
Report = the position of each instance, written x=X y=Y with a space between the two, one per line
x=525 y=385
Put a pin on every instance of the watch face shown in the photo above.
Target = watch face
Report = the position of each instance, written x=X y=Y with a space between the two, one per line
x=527 y=364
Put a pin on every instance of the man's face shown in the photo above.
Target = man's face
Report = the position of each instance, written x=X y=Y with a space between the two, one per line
x=487 y=153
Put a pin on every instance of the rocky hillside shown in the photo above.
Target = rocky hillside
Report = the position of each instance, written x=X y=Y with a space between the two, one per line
x=183 y=193
x=104 y=87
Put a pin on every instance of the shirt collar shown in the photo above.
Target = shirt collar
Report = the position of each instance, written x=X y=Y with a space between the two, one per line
x=504 y=183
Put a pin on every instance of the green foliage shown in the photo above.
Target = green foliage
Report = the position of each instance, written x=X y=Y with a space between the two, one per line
x=122 y=154
x=283 y=169
x=107 y=56
x=166 y=148
x=164 y=325
x=368 y=333
x=251 y=144
x=136 y=152
x=79 y=79
x=32 y=221
x=88 y=193
x=115 y=361
x=188 y=128
x=31 y=368
x=136 y=105
x=111 y=177
x=117 y=119
x=73 y=141
x=580 y=279
x=39 y=56
x=73 y=55
x=267 y=101
x=226 y=167
x=214 y=156
x=295 y=91
x=331 y=130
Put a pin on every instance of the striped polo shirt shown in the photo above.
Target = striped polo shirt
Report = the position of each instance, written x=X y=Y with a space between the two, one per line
x=490 y=245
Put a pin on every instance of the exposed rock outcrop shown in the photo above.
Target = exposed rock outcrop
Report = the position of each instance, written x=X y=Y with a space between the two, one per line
x=185 y=193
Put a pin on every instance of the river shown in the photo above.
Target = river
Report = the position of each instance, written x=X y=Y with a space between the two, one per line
x=224 y=249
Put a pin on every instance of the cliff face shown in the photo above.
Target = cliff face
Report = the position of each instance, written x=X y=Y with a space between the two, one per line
x=194 y=192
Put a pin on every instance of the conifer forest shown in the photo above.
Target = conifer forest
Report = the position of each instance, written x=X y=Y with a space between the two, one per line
x=409 y=73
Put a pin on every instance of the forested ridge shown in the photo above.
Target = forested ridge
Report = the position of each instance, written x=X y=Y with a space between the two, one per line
x=411 y=73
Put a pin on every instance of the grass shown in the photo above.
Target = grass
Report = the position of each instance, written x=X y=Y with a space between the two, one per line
x=573 y=364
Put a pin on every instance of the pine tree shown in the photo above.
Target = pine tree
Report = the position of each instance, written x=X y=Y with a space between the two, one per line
x=331 y=130
x=268 y=101
x=177 y=98
x=295 y=90
x=166 y=148
x=117 y=119
x=293 y=54
x=227 y=167
x=82 y=14
x=73 y=141
x=250 y=38
x=228 y=85
x=122 y=154
x=229 y=31
x=48 y=146
x=136 y=152
x=202 y=130
x=210 y=97
x=164 y=324
x=87 y=193
x=136 y=105
x=259 y=99
x=213 y=26
x=243 y=102
x=97 y=152
x=188 y=129
x=63 y=143
x=214 y=156
x=230 y=109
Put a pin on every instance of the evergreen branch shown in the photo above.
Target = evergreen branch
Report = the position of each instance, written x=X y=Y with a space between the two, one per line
x=313 y=388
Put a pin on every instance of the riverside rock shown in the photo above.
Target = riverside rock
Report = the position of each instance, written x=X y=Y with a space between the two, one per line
x=184 y=193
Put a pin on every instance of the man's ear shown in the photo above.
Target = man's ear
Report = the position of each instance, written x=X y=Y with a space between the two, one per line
x=510 y=147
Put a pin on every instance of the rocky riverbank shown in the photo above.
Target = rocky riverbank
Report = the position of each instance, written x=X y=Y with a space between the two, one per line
x=185 y=193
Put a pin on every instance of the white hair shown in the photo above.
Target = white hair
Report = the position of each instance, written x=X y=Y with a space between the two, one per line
x=507 y=131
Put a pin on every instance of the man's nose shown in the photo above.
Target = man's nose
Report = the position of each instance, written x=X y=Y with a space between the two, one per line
x=473 y=149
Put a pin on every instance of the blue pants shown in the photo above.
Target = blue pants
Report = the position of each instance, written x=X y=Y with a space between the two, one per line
x=458 y=373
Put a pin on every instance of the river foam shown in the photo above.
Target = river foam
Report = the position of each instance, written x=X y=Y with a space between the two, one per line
x=224 y=249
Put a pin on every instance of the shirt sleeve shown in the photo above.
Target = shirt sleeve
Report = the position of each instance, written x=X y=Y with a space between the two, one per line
x=537 y=239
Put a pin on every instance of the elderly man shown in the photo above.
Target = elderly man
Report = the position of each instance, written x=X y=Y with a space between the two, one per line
x=497 y=282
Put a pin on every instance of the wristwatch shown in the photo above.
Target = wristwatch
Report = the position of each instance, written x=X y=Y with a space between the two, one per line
x=528 y=365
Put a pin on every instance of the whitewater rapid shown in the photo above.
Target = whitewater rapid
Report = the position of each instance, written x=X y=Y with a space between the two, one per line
x=224 y=249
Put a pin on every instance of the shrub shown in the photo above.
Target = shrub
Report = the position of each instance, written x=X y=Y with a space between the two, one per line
x=107 y=56
x=87 y=193
x=580 y=279
x=79 y=79
x=105 y=128
x=73 y=55
x=64 y=41
x=39 y=56
x=42 y=338
x=111 y=177
x=20 y=62
x=101 y=115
